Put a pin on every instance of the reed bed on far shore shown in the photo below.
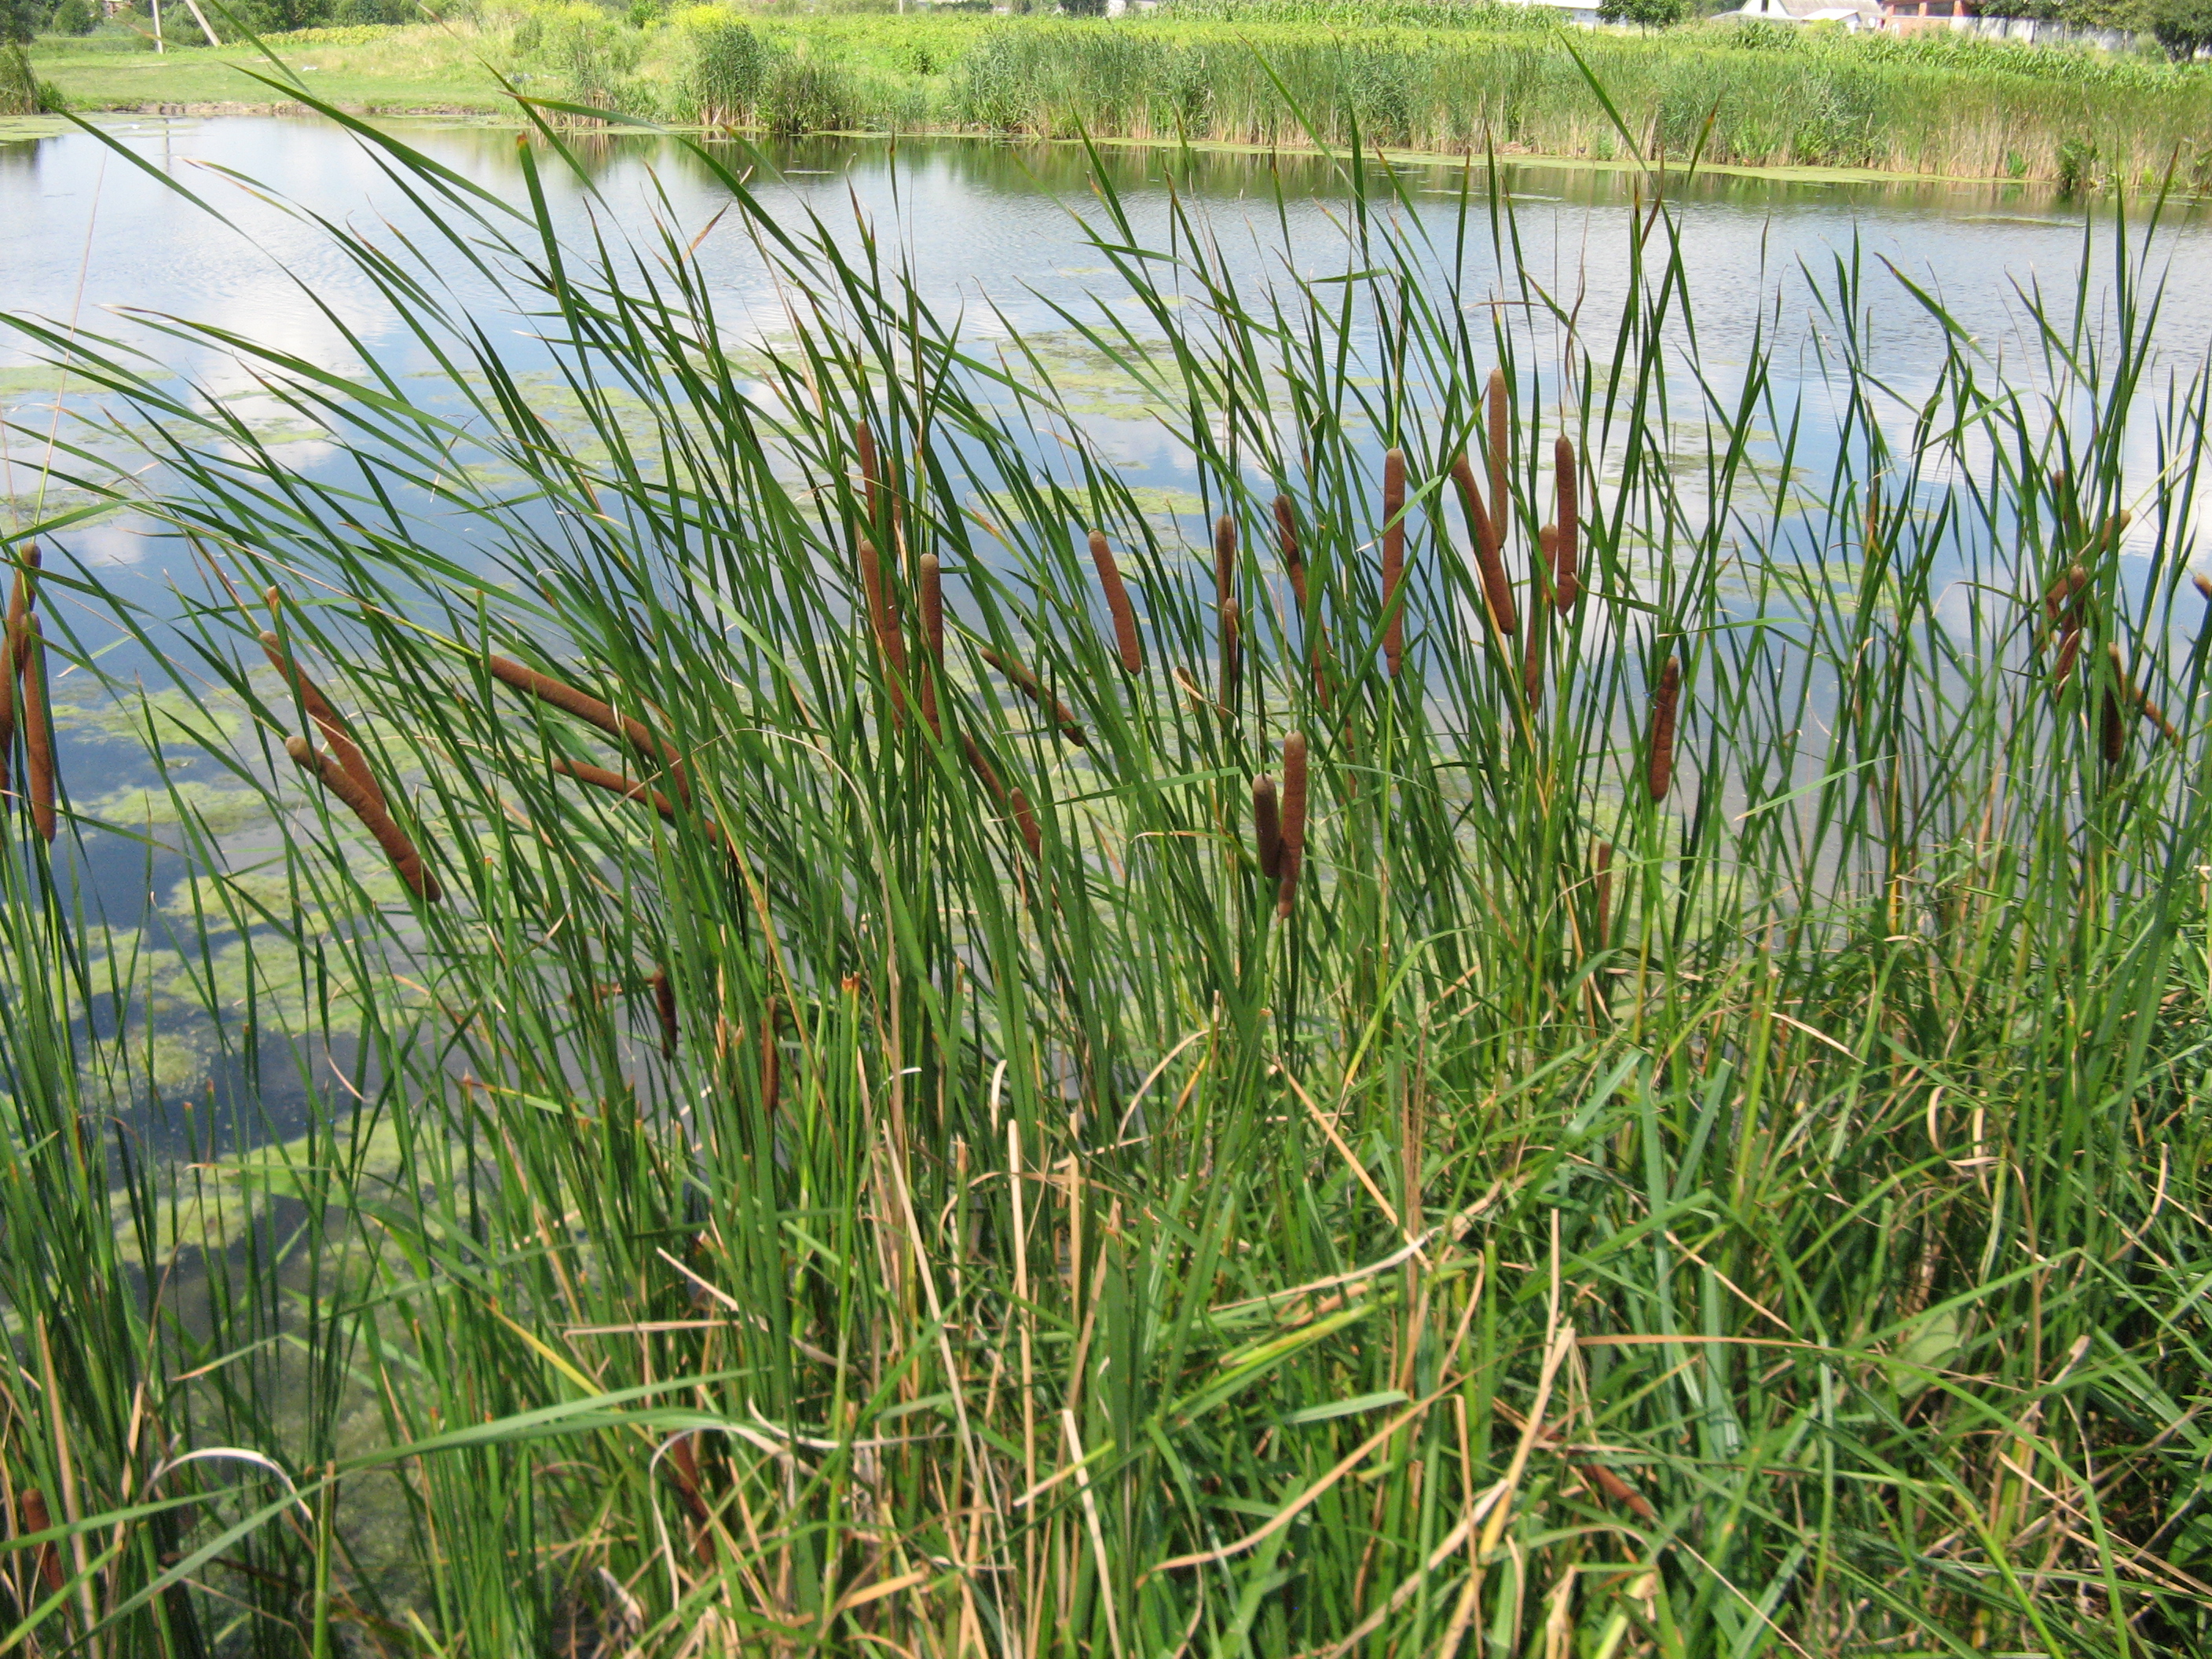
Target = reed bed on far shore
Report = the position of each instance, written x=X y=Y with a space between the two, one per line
x=1570 y=1018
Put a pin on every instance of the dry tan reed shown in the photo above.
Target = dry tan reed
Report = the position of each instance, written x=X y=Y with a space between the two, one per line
x=932 y=580
x=1489 y=549
x=1566 y=576
x=1034 y=689
x=1291 y=859
x=372 y=812
x=1394 y=559
x=1267 y=827
x=1126 y=641
x=37 y=726
x=884 y=622
x=592 y=712
x=1665 y=703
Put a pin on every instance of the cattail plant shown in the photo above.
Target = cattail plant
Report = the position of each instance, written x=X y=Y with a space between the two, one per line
x=1394 y=559
x=2135 y=696
x=1232 y=650
x=864 y=444
x=1602 y=860
x=1267 y=827
x=589 y=709
x=1287 y=540
x=1664 y=702
x=1501 y=443
x=372 y=812
x=1532 y=664
x=1291 y=857
x=37 y=726
x=933 y=640
x=326 y=718
x=1566 y=577
x=884 y=622
x=664 y=1008
x=1126 y=641
x=1035 y=689
x=1489 y=549
x=36 y=1518
x=20 y=597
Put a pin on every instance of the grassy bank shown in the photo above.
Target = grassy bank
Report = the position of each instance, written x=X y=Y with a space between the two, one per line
x=1763 y=97
x=1609 y=1061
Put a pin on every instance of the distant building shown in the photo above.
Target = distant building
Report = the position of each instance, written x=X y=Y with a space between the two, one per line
x=1853 y=15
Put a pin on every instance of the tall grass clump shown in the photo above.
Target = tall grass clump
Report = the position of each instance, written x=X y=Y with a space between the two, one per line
x=926 y=1060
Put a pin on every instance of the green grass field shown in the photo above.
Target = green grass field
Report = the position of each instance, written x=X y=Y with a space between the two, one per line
x=1265 y=76
x=1563 y=1010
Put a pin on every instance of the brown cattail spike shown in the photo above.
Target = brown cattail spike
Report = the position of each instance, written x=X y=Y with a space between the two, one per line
x=2070 y=583
x=2136 y=696
x=1566 y=576
x=664 y=1006
x=1286 y=538
x=592 y=712
x=884 y=622
x=371 y=813
x=931 y=582
x=1603 y=860
x=1034 y=689
x=1117 y=606
x=2112 y=728
x=32 y=1507
x=1489 y=561
x=327 y=719
x=1233 y=650
x=1225 y=560
x=1267 y=828
x=863 y=441
x=1665 y=703
x=1026 y=820
x=21 y=597
x=1291 y=858
x=2203 y=586
x=1532 y=665
x=1393 y=560
x=38 y=726
x=1501 y=442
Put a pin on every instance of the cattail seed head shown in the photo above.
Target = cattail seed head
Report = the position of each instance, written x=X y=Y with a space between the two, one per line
x=1394 y=559
x=1267 y=828
x=1291 y=857
x=589 y=709
x=38 y=727
x=1032 y=837
x=1117 y=606
x=664 y=1006
x=1286 y=538
x=1532 y=661
x=1501 y=441
x=884 y=622
x=2203 y=586
x=327 y=719
x=931 y=579
x=1489 y=557
x=1035 y=689
x=31 y=1506
x=2112 y=728
x=373 y=817
x=863 y=441
x=1665 y=702
x=2071 y=581
x=2070 y=647
x=1233 y=650
x=1225 y=560
x=1567 y=578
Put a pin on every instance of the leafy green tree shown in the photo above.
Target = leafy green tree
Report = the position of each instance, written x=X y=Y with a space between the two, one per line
x=73 y=17
x=20 y=21
x=2183 y=28
x=1645 y=13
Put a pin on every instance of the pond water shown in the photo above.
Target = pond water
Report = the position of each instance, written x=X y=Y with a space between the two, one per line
x=994 y=230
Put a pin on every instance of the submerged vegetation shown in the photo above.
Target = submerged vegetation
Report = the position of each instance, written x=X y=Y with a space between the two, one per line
x=1446 y=79
x=1569 y=1018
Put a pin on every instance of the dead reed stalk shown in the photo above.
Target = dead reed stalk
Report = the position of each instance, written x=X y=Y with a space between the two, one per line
x=1489 y=549
x=1291 y=857
x=1126 y=641
x=592 y=712
x=370 y=810
x=1566 y=576
x=1267 y=827
x=1665 y=703
x=37 y=726
x=1394 y=559
x=1034 y=689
